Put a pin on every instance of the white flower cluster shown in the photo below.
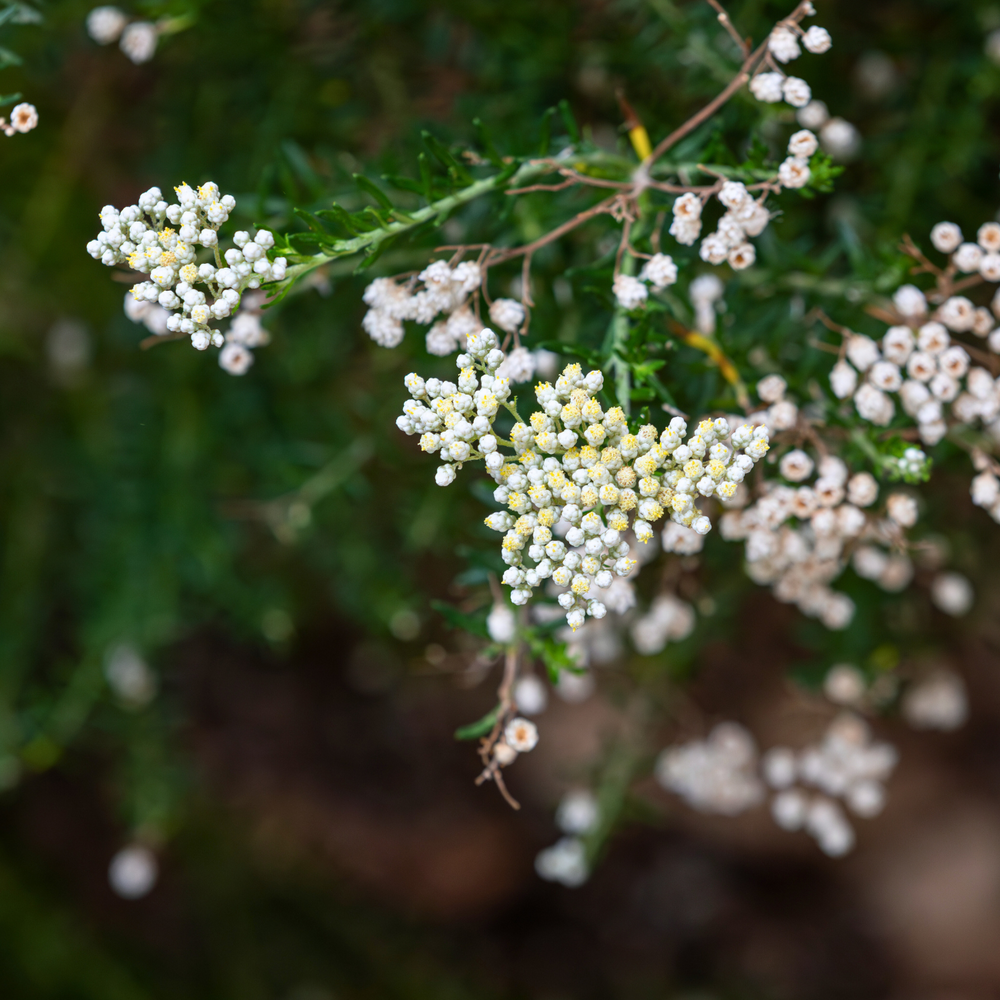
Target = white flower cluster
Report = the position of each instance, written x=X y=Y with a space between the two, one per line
x=799 y=563
x=660 y=271
x=445 y=290
x=723 y=775
x=847 y=764
x=918 y=362
x=566 y=860
x=669 y=619
x=714 y=775
x=592 y=487
x=139 y=236
x=794 y=171
x=23 y=118
x=783 y=46
x=137 y=40
x=744 y=217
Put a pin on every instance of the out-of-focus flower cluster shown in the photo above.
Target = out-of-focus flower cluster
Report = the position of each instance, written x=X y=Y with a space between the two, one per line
x=137 y=39
x=139 y=236
x=724 y=774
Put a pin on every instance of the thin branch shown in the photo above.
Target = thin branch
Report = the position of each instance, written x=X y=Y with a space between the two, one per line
x=741 y=43
x=746 y=71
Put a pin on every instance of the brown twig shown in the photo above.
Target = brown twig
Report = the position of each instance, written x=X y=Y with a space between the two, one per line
x=750 y=64
x=742 y=44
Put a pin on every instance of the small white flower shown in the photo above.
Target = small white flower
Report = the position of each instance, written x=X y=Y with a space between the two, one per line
x=530 y=695
x=968 y=257
x=803 y=144
x=910 y=301
x=839 y=138
x=794 y=172
x=952 y=593
x=937 y=702
x=742 y=256
x=660 y=270
x=988 y=236
x=521 y=735
x=133 y=871
x=902 y=508
x=796 y=466
x=946 y=237
x=23 y=117
x=766 y=87
x=105 y=24
x=235 y=359
x=577 y=812
x=814 y=115
x=843 y=380
x=771 y=388
x=507 y=314
x=138 y=41
x=817 y=40
x=796 y=92
x=783 y=45
x=862 y=351
x=629 y=292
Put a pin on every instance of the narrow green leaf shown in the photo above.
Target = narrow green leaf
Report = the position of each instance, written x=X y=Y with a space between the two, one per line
x=373 y=254
x=486 y=143
x=403 y=183
x=426 y=177
x=316 y=225
x=476 y=624
x=369 y=187
x=446 y=158
x=569 y=121
x=338 y=216
x=8 y=58
x=475 y=730
x=546 y=136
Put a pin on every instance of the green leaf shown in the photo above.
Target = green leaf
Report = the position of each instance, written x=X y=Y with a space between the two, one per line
x=426 y=177
x=758 y=155
x=475 y=730
x=370 y=187
x=646 y=368
x=446 y=158
x=569 y=121
x=403 y=183
x=543 y=142
x=486 y=144
x=8 y=58
x=9 y=98
x=476 y=624
x=339 y=217
x=372 y=254
x=316 y=225
x=553 y=654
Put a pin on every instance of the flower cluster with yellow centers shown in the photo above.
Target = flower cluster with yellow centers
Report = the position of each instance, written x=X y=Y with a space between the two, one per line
x=578 y=477
x=163 y=241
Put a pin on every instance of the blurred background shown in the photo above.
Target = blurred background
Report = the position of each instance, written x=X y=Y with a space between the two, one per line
x=216 y=632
